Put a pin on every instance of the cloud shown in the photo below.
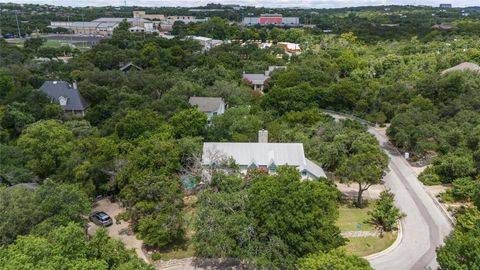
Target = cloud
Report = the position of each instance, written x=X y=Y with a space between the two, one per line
x=264 y=3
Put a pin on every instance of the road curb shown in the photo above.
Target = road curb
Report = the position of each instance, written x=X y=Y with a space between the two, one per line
x=391 y=247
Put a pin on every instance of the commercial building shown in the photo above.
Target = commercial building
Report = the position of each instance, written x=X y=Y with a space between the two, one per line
x=271 y=19
x=104 y=26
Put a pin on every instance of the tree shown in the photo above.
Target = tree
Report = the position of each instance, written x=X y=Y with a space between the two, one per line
x=67 y=247
x=365 y=167
x=269 y=221
x=154 y=206
x=384 y=214
x=46 y=145
x=462 y=247
x=189 y=123
x=135 y=123
x=287 y=211
x=24 y=210
x=33 y=44
x=335 y=259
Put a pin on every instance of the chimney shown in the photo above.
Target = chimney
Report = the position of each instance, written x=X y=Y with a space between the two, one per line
x=75 y=85
x=263 y=136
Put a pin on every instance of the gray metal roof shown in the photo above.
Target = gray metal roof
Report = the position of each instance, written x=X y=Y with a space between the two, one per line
x=58 y=89
x=207 y=104
x=463 y=67
x=261 y=154
x=118 y=20
x=255 y=78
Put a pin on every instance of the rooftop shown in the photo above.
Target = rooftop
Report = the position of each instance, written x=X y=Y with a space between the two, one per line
x=207 y=104
x=465 y=66
x=255 y=78
x=63 y=91
x=261 y=154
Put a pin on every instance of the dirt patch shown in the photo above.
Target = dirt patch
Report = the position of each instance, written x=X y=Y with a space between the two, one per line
x=120 y=231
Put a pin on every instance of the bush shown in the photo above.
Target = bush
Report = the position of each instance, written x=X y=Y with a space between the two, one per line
x=384 y=214
x=429 y=177
x=156 y=256
x=464 y=189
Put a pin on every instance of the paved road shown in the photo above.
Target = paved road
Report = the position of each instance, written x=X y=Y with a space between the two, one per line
x=425 y=225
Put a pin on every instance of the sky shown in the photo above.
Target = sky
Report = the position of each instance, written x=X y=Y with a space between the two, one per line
x=262 y=3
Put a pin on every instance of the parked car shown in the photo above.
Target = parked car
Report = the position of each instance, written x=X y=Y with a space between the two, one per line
x=101 y=218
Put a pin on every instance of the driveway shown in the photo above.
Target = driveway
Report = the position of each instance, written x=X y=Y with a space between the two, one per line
x=118 y=231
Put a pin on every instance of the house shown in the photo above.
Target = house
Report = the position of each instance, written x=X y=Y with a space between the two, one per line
x=262 y=155
x=443 y=26
x=207 y=43
x=209 y=105
x=67 y=95
x=257 y=80
x=128 y=67
x=290 y=48
x=465 y=66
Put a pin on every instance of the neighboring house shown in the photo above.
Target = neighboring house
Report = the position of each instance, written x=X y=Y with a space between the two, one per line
x=262 y=155
x=465 y=66
x=290 y=48
x=257 y=80
x=67 y=95
x=209 y=105
x=206 y=42
x=443 y=26
x=130 y=66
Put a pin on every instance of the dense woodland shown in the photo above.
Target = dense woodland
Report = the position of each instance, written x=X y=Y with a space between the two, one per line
x=140 y=138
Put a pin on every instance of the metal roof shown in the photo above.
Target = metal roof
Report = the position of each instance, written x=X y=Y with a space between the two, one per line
x=58 y=89
x=118 y=20
x=261 y=154
x=255 y=78
x=206 y=104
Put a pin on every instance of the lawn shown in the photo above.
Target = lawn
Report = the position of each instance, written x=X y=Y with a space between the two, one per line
x=351 y=216
x=363 y=246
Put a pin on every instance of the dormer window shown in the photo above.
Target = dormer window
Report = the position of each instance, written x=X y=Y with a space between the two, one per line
x=63 y=101
x=253 y=165
x=272 y=167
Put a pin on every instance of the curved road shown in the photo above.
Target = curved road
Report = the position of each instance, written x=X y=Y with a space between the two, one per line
x=424 y=227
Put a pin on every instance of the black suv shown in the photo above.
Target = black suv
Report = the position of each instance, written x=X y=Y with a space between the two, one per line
x=101 y=218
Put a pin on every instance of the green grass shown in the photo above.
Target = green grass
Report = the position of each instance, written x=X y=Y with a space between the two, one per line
x=178 y=252
x=351 y=216
x=363 y=246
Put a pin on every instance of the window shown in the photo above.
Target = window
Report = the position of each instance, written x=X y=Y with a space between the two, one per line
x=62 y=100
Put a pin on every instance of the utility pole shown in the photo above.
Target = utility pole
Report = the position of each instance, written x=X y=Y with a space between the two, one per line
x=18 y=25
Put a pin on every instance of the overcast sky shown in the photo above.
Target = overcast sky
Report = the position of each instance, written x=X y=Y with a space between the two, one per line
x=265 y=3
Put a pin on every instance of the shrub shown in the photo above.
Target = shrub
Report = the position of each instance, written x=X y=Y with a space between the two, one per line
x=156 y=256
x=384 y=214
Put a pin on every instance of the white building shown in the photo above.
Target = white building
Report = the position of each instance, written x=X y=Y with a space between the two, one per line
x=257 y=80
x=262 y=155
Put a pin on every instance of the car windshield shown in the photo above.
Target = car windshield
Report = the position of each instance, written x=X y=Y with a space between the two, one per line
x=103 y=216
